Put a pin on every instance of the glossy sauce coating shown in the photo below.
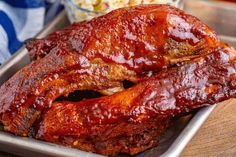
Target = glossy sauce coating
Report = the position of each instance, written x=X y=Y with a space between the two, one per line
x=142 y=38
x=99 y=55
x=133 y=120
x=36 y=86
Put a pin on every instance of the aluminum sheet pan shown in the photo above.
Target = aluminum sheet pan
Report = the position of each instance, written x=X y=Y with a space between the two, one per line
x=172 y=143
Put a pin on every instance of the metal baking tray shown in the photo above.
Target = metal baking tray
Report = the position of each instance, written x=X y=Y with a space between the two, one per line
x=172 y=143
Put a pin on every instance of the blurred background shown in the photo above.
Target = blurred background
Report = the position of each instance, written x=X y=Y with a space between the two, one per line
x=23 y=19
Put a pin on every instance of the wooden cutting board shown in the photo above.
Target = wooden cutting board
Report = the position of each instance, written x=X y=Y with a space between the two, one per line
x=217 y=136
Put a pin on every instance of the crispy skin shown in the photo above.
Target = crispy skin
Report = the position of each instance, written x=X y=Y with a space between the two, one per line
x=134 y=37
x=36 y=86
x=99 y=55
x=133 y=120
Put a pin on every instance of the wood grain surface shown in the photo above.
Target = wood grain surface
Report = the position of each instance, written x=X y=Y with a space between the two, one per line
x=217 y=136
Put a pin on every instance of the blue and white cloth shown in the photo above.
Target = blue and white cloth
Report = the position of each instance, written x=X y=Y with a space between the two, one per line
x=20 y=20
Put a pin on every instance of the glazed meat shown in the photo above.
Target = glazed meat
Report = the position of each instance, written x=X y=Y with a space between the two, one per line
x=134 y=37
x=134 y=120
x=126 y=44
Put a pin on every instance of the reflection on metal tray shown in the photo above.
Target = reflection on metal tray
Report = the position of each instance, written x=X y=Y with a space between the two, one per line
x=172 y=143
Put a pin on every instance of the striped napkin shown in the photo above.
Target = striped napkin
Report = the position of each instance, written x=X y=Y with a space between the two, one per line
x=20 y=20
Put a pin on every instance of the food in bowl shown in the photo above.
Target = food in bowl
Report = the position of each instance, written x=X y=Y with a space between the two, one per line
x=80 y=10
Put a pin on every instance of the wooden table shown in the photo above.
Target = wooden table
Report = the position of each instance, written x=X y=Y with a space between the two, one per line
x=217 y=137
